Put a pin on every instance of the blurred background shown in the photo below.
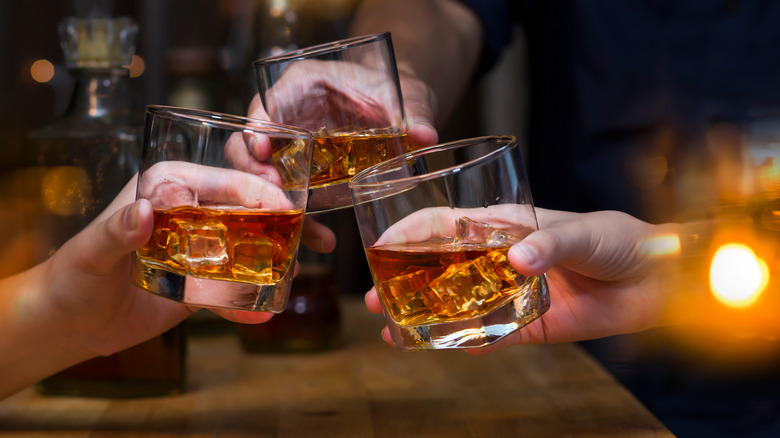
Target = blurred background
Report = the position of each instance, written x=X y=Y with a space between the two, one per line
x=198 y=53
x=192 y=53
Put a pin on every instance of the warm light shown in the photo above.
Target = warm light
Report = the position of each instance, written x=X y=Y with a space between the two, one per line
x=66 y=190
x=737 y=276
x=137 y=66
x=660 y=245
x=42 y=71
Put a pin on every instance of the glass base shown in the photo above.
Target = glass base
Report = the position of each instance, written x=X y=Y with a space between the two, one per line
x=328 y=198
x=202 y=292
x=530 y=304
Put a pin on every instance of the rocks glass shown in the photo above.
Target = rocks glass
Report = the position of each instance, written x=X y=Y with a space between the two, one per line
x=229 y=195
x=348 y=93
x=436 y=225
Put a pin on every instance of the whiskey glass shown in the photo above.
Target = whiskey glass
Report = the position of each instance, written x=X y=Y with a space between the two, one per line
x=348 y=94
x=227 y=225
x=436 y=225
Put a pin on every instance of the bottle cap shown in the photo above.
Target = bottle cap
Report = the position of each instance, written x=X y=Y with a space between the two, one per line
x=98 y=42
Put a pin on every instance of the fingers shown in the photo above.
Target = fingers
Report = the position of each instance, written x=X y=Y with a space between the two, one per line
x=428 y=223
x=243 y=317
x=601 y=245
x=248 y=152
x=419 y=118
x=374 y=306
x=386 y=337
x=101 y=247
x=372 y=301
x=420 y=106
x=437 y=222
x=174 y=183
x=256 y=109
x=317 y=237
x=422 y=135
x=542 y=249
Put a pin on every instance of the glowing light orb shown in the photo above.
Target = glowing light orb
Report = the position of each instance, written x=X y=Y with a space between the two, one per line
x=42 y=71
x=737 y=275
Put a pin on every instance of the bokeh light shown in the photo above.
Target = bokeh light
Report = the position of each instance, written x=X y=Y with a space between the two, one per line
x=66 y=190
x=42 y=71
x=663 y=244
x=737 y=275
x=137 y=66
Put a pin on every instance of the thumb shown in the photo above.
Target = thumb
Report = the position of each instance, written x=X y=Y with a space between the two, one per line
x=420 y=121
x=543 y=249
x=102 y=246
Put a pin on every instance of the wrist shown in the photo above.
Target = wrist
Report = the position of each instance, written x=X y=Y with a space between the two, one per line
x=35 y=342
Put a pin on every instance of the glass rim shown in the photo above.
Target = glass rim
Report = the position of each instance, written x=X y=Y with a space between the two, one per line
x=506 y=141
x=239 y=123
x=320 y=49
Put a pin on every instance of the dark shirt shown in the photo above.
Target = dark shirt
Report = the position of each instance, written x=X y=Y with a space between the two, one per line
x=615 y=84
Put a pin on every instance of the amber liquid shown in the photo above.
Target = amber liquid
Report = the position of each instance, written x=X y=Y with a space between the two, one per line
x=436 y=281
x=339 y=157
x=230 y=243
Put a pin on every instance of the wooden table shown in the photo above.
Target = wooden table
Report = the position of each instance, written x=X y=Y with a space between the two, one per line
x=363 y=389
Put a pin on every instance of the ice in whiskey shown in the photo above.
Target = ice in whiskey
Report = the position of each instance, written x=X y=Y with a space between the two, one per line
x=448 y=279
x=338 y=157
x=223 y=243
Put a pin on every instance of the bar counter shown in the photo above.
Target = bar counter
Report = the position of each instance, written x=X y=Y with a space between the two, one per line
x=365 y=388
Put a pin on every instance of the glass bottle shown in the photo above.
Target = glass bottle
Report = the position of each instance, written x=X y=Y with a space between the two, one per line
x=85 y=157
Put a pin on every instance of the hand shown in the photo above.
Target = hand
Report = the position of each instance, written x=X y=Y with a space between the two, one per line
x=347 y=97
x=80 y=303
x=420 y=108
x=88 y=283
x=251 y=153
x=338 y=96
x=600 y=283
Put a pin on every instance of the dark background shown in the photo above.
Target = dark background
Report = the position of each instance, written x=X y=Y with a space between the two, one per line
x=196 y=53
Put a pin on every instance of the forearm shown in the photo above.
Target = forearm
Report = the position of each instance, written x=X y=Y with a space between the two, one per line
x=33 y=342
x=439 y=41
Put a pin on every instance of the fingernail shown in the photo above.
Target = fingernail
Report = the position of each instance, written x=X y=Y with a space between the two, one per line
x=131 y=217
x=252 y=144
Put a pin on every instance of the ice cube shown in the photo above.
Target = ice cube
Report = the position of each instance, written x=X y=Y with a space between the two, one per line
x=293 y=160
x=466 y=286
x=471 y=232
x=167 y=244
x=326 y=153
x=202 y=245
x=504 y=270
x=253 y=259
x=405 y=294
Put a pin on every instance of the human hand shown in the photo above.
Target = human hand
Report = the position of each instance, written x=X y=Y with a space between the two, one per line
x=252 y=153
x=600 y=282
x=88 y=278
x=81 y=303
x=420 y=108
x=346 y=97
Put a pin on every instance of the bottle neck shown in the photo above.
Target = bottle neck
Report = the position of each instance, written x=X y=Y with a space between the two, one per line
x=100 y=93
